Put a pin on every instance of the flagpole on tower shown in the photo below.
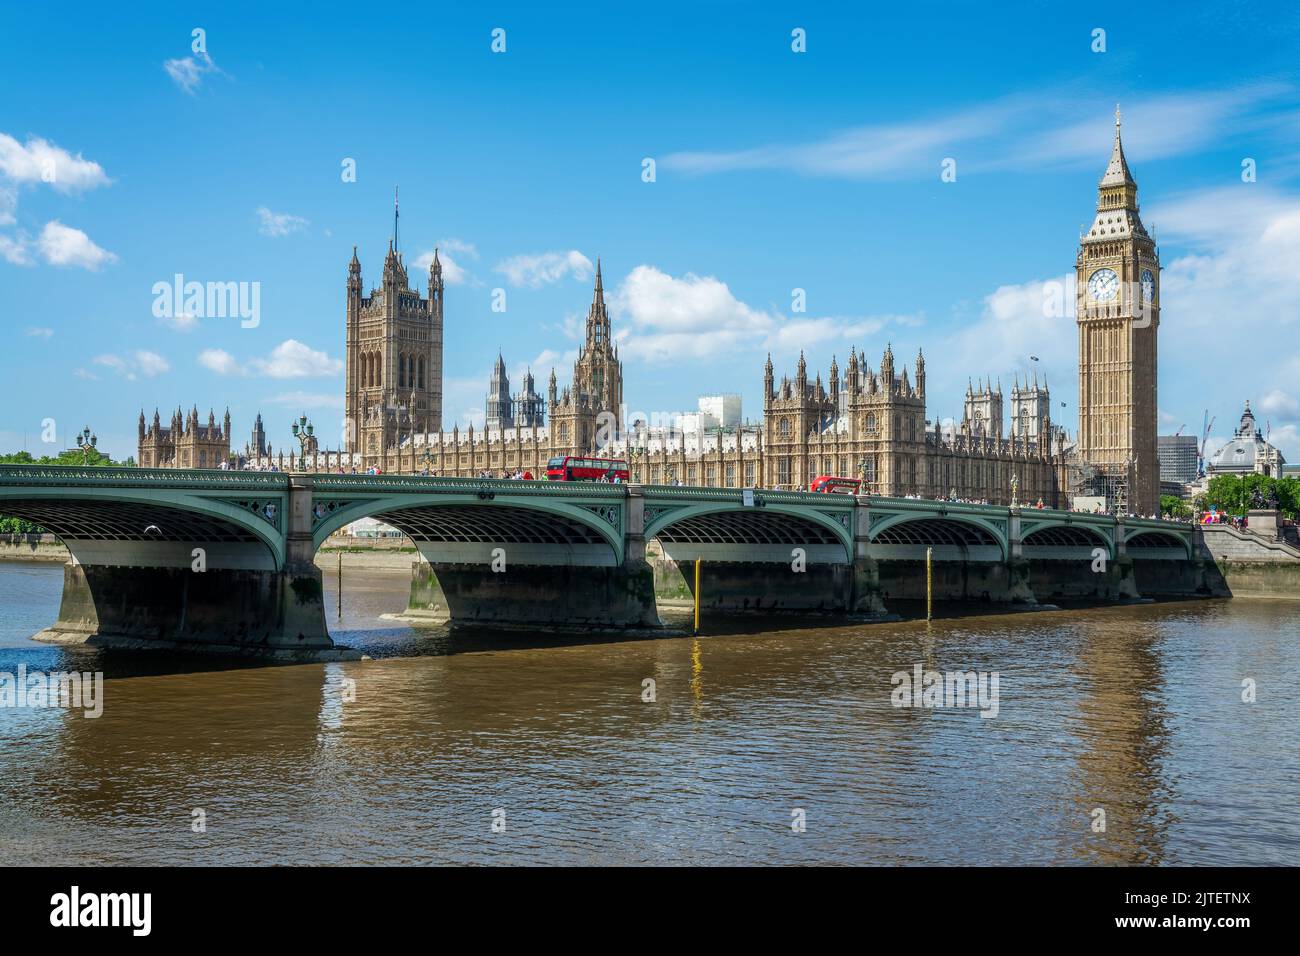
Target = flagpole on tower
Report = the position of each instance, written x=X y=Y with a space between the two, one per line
x=394 y=218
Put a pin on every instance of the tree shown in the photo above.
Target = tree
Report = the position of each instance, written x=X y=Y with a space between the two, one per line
x=1174 y=507
x=1235 y=494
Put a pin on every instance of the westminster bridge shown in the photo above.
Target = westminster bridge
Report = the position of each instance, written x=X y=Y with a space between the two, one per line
x=225 y=560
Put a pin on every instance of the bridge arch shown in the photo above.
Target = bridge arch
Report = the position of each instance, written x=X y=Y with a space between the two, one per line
x=1058 y=538
x=139 y=525
x=464 y=528
x=1157 y=543
x=952 y=535
x=733 y=532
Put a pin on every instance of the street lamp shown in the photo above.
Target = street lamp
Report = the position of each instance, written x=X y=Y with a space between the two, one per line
x=86 y=442
x=305 y=432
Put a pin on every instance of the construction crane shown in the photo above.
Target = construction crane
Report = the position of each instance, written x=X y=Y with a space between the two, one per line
x=1207 y=424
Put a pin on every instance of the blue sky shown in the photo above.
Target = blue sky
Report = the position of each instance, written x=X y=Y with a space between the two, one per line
x=775 y=171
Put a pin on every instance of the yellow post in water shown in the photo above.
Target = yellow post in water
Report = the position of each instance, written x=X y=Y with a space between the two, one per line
x=697 y=595
x=929 y=584
x=340 y=585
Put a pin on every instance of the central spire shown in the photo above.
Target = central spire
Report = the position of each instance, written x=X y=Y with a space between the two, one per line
x=1117 y=172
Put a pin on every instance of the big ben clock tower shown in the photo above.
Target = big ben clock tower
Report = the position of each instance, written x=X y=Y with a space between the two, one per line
x=1118 y=310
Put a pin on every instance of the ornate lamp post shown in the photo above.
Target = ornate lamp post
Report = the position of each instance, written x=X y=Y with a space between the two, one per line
x=305 y=432
x=86 y=442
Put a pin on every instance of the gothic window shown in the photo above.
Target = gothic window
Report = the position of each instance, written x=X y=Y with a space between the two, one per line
x=749 y=474
x=783 y=471
x=401 y=371
x=564 y=431
x=730 y=480
x=783 y=428
x=420 y=374
x=871 y=421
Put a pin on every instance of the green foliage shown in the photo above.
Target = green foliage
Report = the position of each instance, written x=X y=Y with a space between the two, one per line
x=17 y=526
x=1174 y=506
x=74 y=457
x=1234 y=493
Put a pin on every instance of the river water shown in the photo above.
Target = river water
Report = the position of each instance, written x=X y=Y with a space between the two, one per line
x=764 y=743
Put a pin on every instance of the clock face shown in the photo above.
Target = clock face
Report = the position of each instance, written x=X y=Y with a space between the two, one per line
x=1148 y=285
x=1103 y=285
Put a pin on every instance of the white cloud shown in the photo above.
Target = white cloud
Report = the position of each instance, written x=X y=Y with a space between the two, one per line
x=544 y=268
x=8 y=203
x=40 y=333
x=277 y=224
x=293 y=359
x=667 y=318
x=188 y=72
x=1279 y=404
x=451 y=252
x=1017 y=132
x=289 y=359
x=16 y=251
x=134 y=365
x=306 y=401
x=181 y=322
x=219 y=361
x=41 y=161
x=1237 y=287
x=61 y=245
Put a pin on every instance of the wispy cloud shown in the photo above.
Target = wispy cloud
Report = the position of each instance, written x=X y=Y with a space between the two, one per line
x=307 y=401
x=544 y=268
x=134 y=365
x=188 y=72
x=1014 y=132
x=451 y=255
x=40 y=333
x=278 y=224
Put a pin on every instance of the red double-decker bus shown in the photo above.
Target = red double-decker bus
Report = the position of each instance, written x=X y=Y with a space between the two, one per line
x=572 y=468
x=831 y=485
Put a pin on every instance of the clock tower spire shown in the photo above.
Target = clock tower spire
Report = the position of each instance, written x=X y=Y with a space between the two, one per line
x=1118 y=316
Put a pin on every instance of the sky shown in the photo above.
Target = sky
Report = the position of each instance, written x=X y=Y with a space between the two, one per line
x=261 y=149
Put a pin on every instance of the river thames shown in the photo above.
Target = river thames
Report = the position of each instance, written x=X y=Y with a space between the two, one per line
x=768 y=743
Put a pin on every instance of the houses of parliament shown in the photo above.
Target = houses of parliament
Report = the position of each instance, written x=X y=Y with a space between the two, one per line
x=865 y=420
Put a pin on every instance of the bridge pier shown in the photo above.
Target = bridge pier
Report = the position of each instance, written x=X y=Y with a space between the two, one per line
x=275 y=614
x=551 y=596
x=153 y=594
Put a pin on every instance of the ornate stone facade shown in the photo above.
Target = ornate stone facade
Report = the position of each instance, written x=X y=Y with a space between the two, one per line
x=184 y=443
x=394 y=359
x=1118 y=317
x=873 y=425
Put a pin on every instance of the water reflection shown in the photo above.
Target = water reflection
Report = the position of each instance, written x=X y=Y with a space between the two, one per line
x=405 y=757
